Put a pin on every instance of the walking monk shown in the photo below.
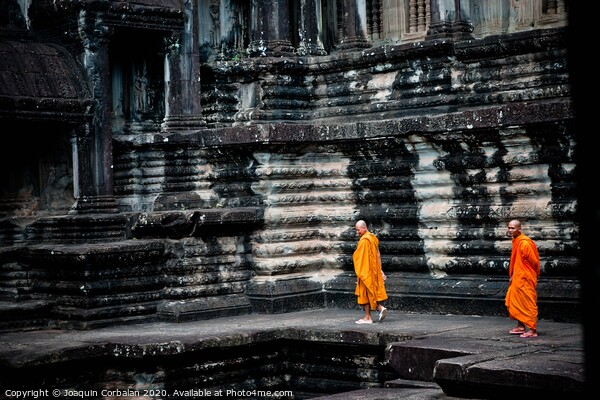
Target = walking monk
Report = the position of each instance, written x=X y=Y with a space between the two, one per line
x=370 y=288
x=523 y=272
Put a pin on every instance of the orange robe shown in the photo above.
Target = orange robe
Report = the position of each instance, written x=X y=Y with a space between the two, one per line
x=524 y=270
x=367 y=265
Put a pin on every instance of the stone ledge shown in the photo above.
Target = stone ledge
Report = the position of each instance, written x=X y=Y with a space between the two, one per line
x=470 y=354
x=179 y=224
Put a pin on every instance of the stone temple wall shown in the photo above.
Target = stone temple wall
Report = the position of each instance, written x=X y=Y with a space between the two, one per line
x=238 y=191
x=439 y=201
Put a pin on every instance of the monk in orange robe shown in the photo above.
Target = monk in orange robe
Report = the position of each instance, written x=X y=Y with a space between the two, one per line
x=523 y=272
x=370 y=288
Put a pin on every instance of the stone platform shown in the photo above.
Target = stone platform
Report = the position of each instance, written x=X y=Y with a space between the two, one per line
x=432 y=356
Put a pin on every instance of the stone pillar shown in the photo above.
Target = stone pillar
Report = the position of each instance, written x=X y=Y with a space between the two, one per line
x=450 y=19
x=183 y=109
x=462 y=27
x=81 y=146
x=353 y=27
x=103 y=128
x=311 y=26
x=270 y=29
x=94 y=140
x=173 y=81
x=234 y=28
x=96 y=49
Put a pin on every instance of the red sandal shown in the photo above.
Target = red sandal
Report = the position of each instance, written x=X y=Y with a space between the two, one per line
x=529 y=334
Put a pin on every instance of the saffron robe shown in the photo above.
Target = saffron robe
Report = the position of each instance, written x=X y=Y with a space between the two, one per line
x=524 y=270
x=370 y=288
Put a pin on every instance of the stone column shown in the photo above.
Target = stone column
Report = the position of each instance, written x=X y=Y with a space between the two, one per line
x=270 y=29
x=81 y=144
x=450 y=19
x=311 y=25
x=93 y=141
x=96 y=39
x=353 y=29
x=183 y=110
x=462 y=27
x=173 y=81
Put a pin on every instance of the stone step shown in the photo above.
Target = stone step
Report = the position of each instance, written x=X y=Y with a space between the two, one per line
x=24 y=315
x=474 y=368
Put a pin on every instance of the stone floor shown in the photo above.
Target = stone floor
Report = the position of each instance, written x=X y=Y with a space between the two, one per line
x=438 y=357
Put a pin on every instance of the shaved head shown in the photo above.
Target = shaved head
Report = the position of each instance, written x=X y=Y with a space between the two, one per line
x=514 y=228
x=361 y=227
x=515 y=222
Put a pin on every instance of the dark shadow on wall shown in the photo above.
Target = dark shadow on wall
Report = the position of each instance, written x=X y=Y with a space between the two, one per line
x=583 y=78
x=36 y=171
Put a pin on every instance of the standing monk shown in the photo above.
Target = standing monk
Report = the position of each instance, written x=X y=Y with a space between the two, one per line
x=369 y=275
x=523 y=272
